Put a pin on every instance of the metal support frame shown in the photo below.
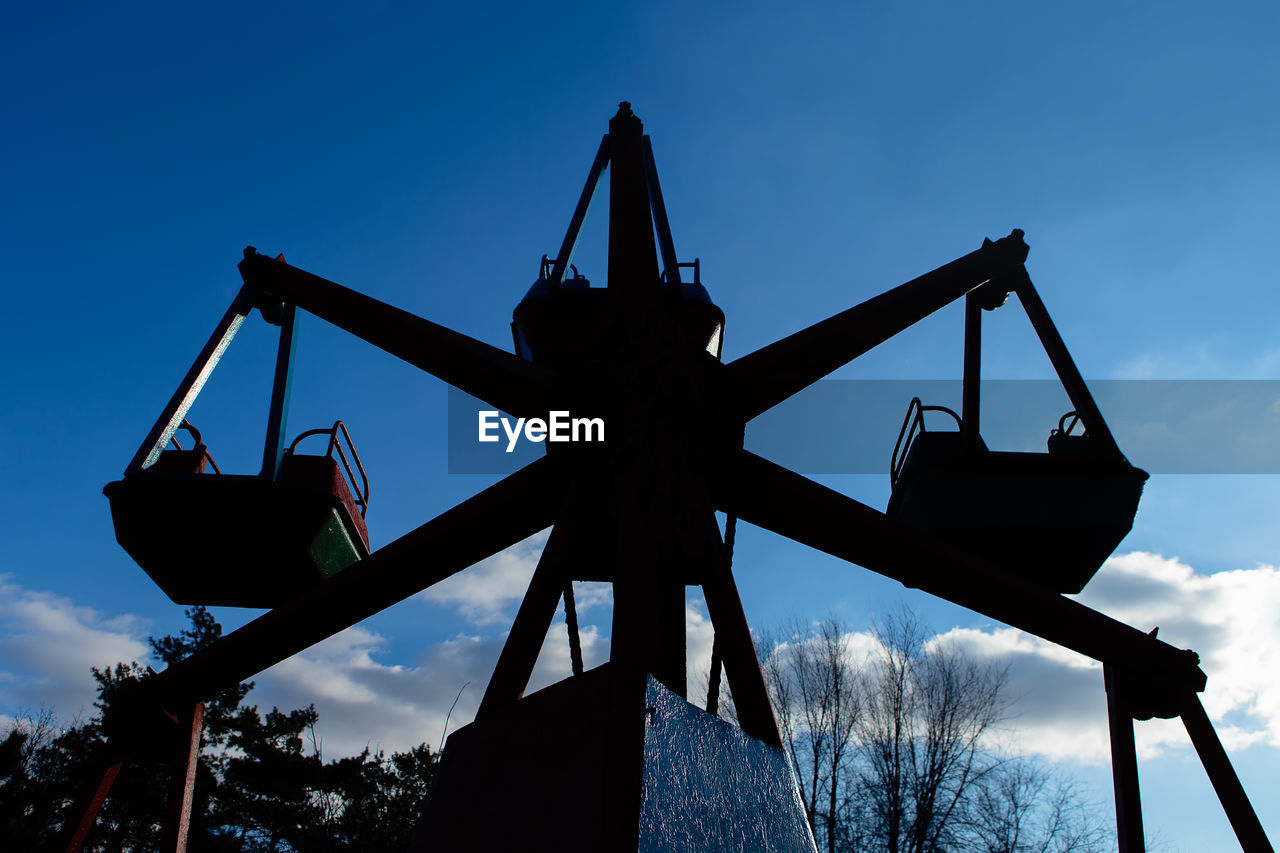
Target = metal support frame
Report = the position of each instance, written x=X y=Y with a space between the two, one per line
x=1065 y=366
x=84 y=813
x=649 y=571
x=528 y=632
x=278 y=414
x=1124 y=766
x=571 y=627
x=666 y=246
x=1244 y=820
x=182 y=782
x=971 y=394
x=176 y=409
x=565 y=256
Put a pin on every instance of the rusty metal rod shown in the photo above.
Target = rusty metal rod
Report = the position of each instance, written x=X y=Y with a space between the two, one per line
x=176 y=409
x=84 y=814
x=182 y=784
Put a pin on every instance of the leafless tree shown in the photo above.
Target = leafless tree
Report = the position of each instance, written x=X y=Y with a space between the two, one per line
x=887 y=731
x=927 y=708
x=1020 y=807
x=813 y=681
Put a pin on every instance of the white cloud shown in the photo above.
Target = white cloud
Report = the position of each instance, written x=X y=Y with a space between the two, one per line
x=1227 y=617
x=1201 y=360
x=48 y=645
x=488 y=592
x=365 y=703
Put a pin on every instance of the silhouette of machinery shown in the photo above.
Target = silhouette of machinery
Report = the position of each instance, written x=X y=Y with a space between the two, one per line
x=615 y=758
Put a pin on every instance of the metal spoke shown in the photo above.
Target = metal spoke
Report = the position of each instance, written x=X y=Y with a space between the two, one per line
x=500 y=516
x=770 y=375
x=495 y=376
x=774 y=498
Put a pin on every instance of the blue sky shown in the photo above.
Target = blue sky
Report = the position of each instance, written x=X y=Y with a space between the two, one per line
x=811 y=155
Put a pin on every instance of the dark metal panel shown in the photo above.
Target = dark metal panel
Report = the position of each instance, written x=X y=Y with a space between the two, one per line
x=1235 y=802
x=501 y=515
x=773 y=373
x=1124 y=767
x=708 y=786
x=501 y=379
x=772 y=497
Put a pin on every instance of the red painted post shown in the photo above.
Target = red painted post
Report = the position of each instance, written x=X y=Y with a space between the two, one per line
x=182 y=784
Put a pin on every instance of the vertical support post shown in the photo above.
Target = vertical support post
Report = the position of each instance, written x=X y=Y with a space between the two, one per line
x=84 y=813
x=713 y=681
x=1124 y=766
x=1066 y=368
x=178 y=405
x=633 y=261
x=182 y=782
x=970 y=395
x=278 y=415
x=1235 y=802
x=571 y=626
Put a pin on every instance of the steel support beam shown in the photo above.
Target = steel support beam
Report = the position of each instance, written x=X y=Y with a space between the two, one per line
x=736 y=648
x=776 y=499
x=971 y=394
x=1065 y=366
x=182 y=783
x=633 y=261
x=770 y=375
x=528 y=632
x=84 y=814
x=278 y=414
x=1244 y=820
x=565 y=255
x=1124 y=766
x=666 y=246
x=496 y=518
x=502 y=380
x=176 y=409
